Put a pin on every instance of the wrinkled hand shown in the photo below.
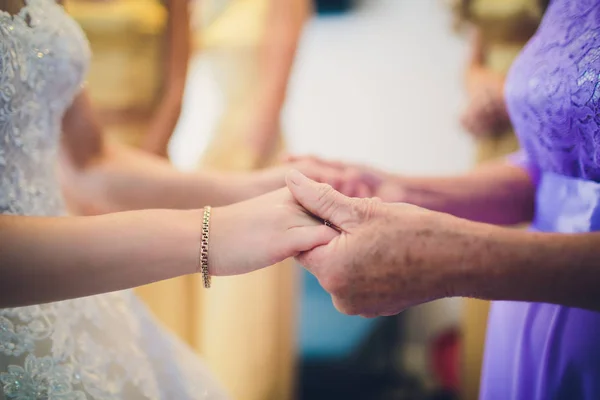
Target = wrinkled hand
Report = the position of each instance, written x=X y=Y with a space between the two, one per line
x=387 y=257
x=260 y=232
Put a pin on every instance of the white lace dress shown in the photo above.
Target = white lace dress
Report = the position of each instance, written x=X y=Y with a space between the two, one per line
x=100 y=347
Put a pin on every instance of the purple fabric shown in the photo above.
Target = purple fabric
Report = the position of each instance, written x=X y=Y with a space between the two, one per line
x=540 y=351
x=553 y=93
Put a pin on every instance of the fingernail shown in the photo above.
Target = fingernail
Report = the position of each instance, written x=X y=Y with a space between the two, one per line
x=295 y=177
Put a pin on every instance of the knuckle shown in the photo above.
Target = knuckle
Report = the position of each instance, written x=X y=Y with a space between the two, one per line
x=326 y=197
x=357 y=207
x=364 y=208
x=353 y=175
x=325 y=190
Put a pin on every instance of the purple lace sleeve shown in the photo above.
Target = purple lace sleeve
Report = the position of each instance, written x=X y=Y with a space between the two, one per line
x=521 y=159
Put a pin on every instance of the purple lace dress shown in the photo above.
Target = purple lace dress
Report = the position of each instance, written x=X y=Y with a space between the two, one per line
x=544 y=351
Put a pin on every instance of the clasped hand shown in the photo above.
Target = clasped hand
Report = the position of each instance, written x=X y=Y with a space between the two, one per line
x=378 y=259
x=387 y=257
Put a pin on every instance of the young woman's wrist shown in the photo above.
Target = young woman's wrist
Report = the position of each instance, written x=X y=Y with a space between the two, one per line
x=182 y=233
x=223 y=188
x=252 y=184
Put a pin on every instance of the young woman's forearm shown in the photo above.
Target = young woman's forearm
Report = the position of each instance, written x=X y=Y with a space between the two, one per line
x=496 y=193
x=177 y=54
x=129 y=179
x=163 y=124
x=476 y=56
x=51 y=259
x=100 y=176
x=286 y=19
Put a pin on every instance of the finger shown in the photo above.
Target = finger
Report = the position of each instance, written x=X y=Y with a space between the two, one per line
x=369 y=315
x=371 y=179
x=335 y=164
x=348 y=188
x=343 y=306
x=287 y=158
x=333 y=178
x=305 y=238
x=322 y=174
x=320 y=199
x=363 y=191
x=351 y=182
x=308 y=158
x=298 y=158
x=313 y=260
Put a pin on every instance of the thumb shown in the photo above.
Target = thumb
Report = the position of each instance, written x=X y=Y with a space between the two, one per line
x=306 y=238
x=319 y=199
x=314 y=260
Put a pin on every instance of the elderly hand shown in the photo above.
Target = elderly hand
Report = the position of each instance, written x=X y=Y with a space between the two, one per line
x=387 y=257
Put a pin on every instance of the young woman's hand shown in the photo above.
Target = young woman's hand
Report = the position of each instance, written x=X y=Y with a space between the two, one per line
x=263 y=231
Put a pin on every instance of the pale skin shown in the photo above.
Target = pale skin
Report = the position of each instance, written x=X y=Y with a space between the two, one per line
x=51 y=259
x=177 y=55
x=392 y=256
x=285 y=23
x=175 y=50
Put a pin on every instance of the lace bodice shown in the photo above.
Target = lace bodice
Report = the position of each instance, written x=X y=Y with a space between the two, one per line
x=553 y=91
x=105 y=347
x=43 y=60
